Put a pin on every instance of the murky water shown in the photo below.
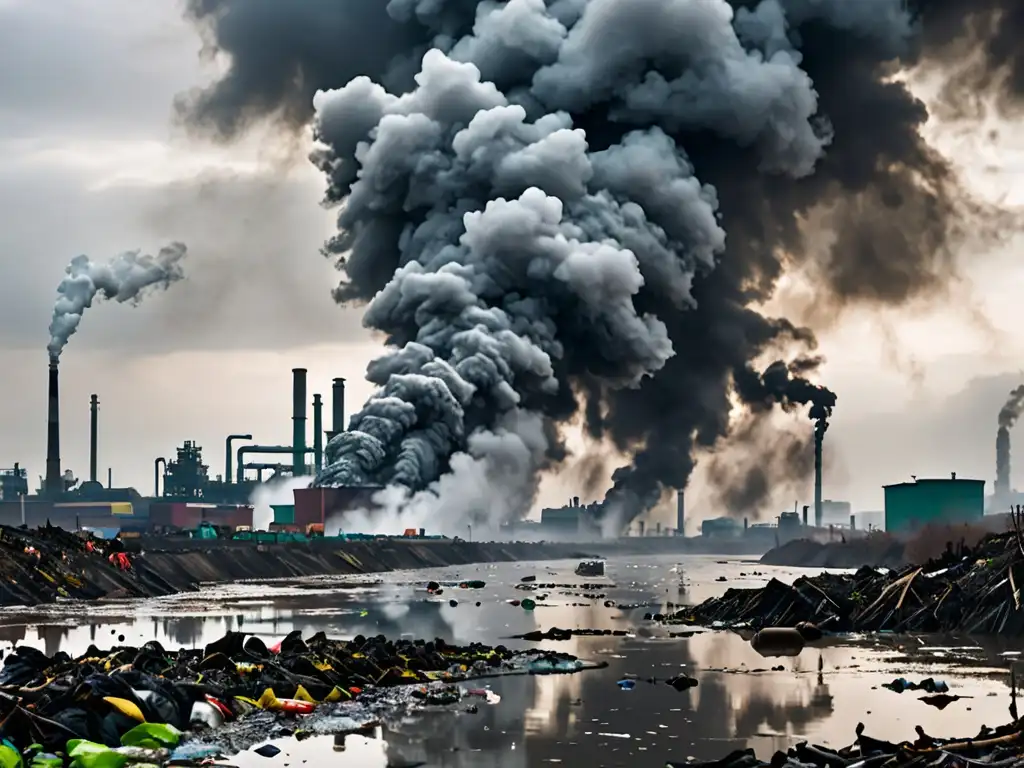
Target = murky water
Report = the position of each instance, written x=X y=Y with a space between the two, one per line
x=583 y=719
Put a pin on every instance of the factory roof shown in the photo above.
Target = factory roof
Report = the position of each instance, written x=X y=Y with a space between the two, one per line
x=924 y=480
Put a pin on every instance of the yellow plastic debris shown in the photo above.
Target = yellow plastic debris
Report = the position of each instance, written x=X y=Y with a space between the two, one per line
x=126 y=708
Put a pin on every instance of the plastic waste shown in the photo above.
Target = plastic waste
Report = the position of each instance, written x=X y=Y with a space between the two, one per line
x=528 y=604
x=89 y=754
x=10 y=757
x=626 y=685
x=778 y=641
x=152 y=736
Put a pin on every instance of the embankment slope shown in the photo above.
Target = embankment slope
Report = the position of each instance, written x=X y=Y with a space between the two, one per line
x=46 y=565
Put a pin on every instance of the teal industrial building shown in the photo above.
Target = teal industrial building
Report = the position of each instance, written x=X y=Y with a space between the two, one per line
x=913 y=505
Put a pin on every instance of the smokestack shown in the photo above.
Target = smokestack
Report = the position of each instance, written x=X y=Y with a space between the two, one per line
x=318 y=433
x=337 y=407
x=1002 y=485
x=680 y=514
x=817 y=480
x=298 y=421
x=54 y=484
x=94 y=410
x=805 y=515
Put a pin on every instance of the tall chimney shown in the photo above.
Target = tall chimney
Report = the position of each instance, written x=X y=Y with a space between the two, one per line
x=680 y=514
x=318 y=433
x=298 y=421
x=817 y=480
x=94 y=410
x=54 y=484
x=337 y=407
x=1002 y=484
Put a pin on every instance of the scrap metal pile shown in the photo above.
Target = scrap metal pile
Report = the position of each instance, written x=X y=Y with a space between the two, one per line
x=135 y=705
x=972 y=590
x=1003 y=746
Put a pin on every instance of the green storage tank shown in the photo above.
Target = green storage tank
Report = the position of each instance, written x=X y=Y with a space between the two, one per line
x=909 y=506
x=284 y=514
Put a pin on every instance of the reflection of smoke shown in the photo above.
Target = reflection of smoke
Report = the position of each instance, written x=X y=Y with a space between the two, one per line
x=273 y=492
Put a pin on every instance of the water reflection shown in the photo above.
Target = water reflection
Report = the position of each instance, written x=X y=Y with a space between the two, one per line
x=579 y=719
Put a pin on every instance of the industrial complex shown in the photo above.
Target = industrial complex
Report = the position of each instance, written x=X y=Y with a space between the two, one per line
x=185 y=496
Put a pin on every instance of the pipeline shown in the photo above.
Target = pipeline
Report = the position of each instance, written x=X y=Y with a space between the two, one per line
x=160 y=460
x=279 y=450
x=227 y=454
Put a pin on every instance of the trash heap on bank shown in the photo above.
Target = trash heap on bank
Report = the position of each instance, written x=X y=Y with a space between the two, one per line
x=969 y=589
x=1003 y=747
x=146 y=706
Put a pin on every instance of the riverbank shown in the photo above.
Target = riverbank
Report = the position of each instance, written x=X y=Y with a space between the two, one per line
x=883 y=550
x=45 y=565
x=970 y=589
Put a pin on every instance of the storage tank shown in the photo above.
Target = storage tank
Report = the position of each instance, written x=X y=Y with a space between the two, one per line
x=913 y=505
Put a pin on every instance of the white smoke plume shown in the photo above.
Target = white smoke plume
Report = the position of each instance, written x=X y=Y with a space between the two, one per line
x=273 y=492
x=125 y=278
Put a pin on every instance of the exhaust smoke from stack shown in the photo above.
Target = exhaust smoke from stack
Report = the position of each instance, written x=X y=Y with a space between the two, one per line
x=534 y=200
x=125 y=278
x=1008 y=415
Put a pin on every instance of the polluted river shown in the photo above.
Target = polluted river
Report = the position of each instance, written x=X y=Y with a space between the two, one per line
x=622 y=714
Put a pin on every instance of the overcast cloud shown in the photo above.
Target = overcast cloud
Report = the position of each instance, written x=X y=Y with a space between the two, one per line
x=90 y=162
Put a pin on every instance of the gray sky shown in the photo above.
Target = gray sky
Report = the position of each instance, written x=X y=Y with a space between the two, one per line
x=90 y=162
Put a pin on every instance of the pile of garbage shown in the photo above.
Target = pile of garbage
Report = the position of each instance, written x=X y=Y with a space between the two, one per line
x=47 y=564
x=146 y=706
x=1003 y=746
x=967 y=589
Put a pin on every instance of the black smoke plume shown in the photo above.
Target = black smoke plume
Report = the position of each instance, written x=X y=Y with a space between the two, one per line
x=497 y=161
x=1008 y=415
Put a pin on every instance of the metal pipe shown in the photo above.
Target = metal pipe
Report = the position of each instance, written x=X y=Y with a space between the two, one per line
x=318 y=433
x=94 y=409
x=156 y=475
x=227 y=454
x=337 y=407
x=279 y=450
x=298 y=421
x=54 y=484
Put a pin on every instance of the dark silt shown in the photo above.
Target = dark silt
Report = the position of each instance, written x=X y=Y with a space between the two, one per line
x=582 y=719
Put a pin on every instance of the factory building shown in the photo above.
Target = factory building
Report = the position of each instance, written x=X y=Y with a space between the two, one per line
x=836 y=513
x=327 y=506
x=913 y=505
x=574 y=520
